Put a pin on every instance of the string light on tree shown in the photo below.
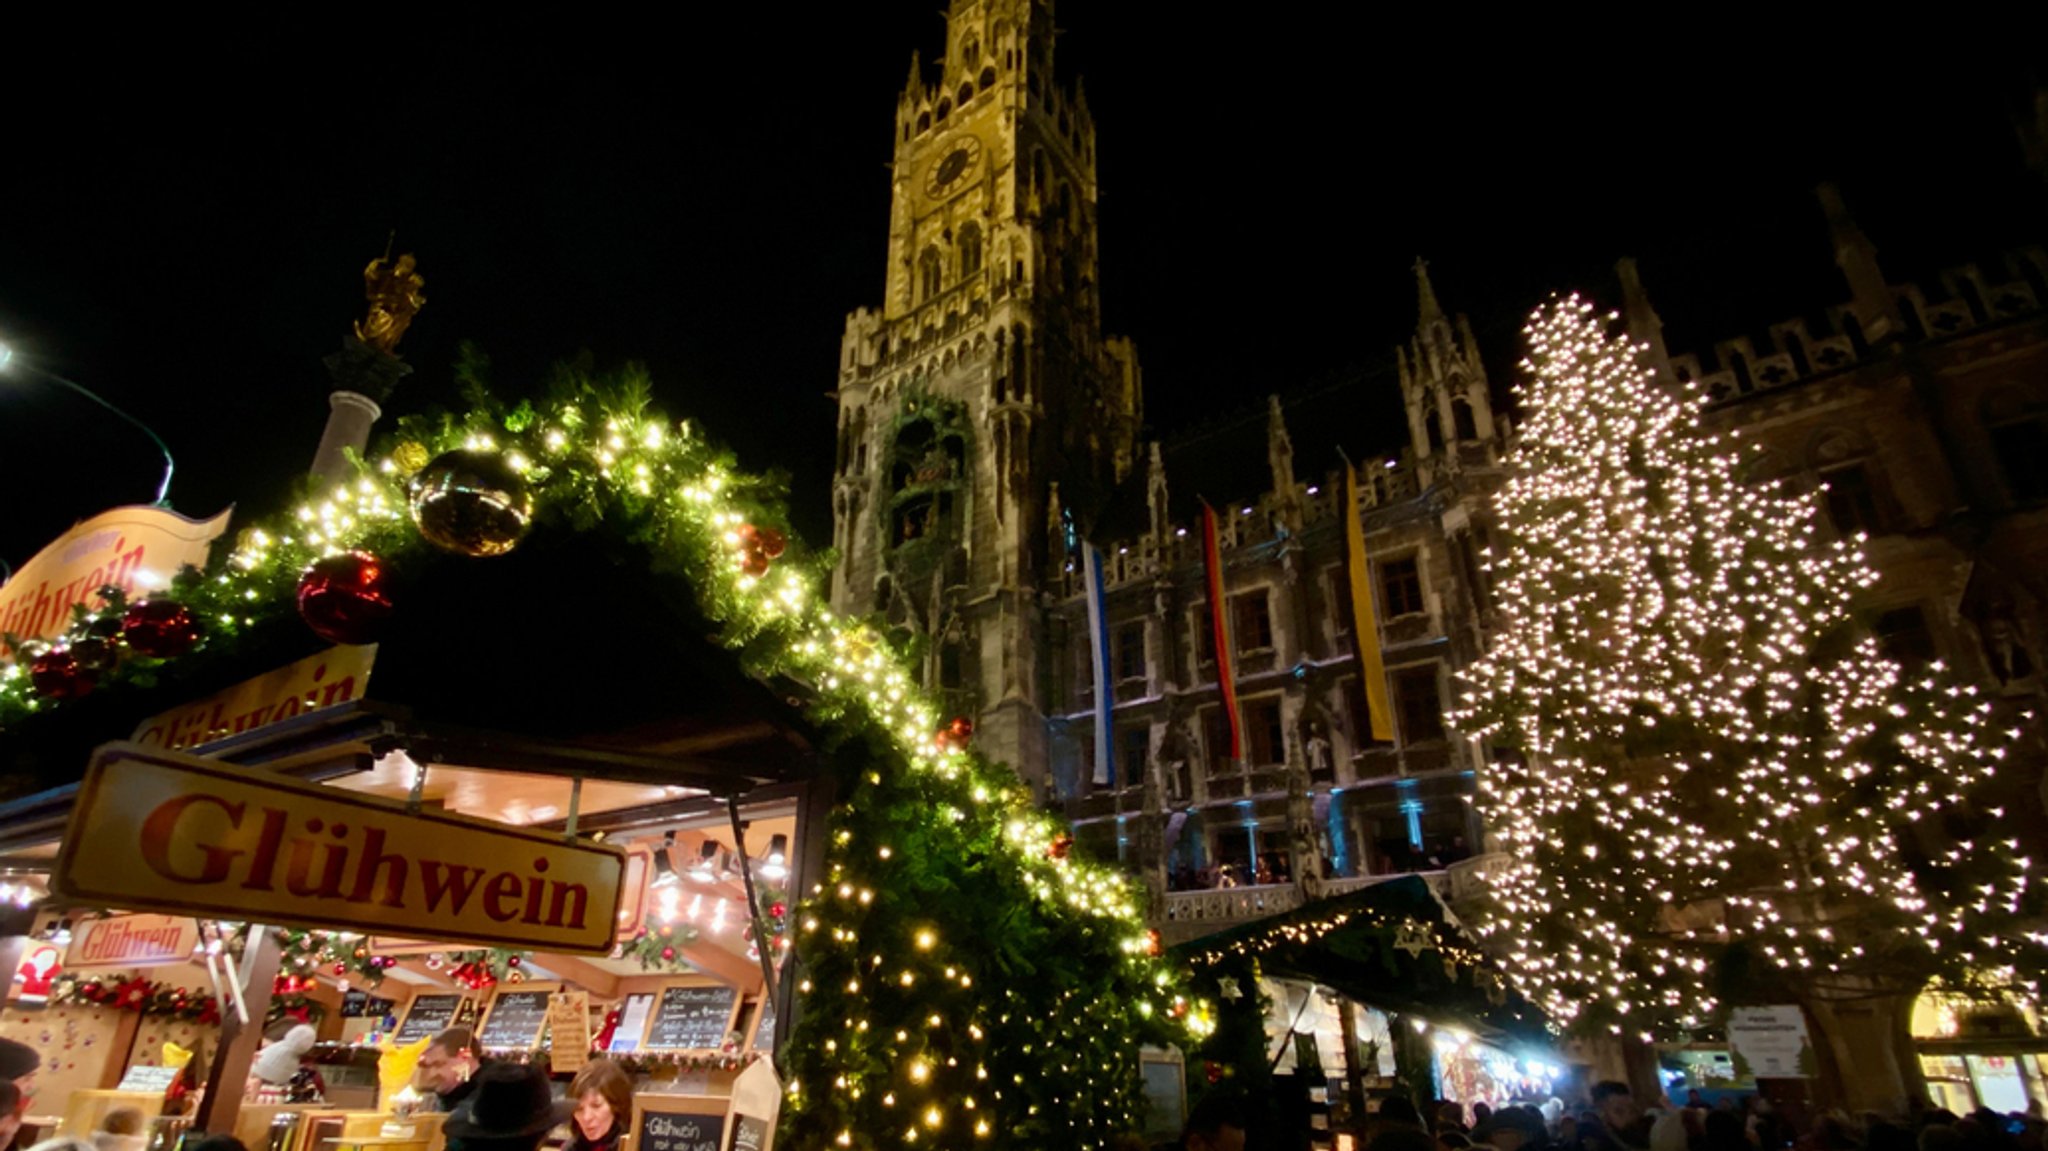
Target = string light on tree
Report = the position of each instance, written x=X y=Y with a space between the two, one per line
x=1715 y=761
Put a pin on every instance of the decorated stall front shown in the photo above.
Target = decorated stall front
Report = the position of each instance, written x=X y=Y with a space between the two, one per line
x=536 y=724
x=1328 y=1009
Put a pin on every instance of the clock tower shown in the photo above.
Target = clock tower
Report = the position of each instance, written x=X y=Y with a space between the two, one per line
x=981 y=402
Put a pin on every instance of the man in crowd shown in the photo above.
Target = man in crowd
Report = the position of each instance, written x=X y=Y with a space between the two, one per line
x=448 y=1067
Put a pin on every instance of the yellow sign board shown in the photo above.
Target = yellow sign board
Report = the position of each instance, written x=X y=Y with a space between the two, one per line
x=156 y=830
x=334 y=676
x=137 y=549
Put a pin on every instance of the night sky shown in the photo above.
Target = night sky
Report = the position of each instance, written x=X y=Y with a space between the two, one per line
x=183 y=224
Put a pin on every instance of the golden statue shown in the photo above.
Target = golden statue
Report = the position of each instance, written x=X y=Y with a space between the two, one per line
x=394 y=294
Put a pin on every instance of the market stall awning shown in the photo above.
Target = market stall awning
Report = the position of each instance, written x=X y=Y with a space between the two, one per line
x=574 y=655
x=1389 y=945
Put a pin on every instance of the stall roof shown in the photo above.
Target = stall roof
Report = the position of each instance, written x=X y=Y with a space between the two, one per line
x=573 y=655
x=1355 y=944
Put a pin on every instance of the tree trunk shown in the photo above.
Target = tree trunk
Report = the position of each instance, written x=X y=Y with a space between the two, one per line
x=1871 y=1064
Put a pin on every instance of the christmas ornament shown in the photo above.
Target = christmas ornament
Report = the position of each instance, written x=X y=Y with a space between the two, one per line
x=409 y=457
x=956 y=734
x=1413 y=938
x=159 y=628
x=344 y=597
x=1060 y=847
x=759 y=547
x=56 y=675
x=94 y=656
x=471 y=503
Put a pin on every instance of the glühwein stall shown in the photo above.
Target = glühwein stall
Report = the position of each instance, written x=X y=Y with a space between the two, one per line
x=534 y=723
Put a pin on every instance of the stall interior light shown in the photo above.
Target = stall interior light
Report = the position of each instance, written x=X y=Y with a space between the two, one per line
x=664 y=867
x=777 y=864
x=706 y=868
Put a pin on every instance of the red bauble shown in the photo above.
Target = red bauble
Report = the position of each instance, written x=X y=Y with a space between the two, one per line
x=512 y=961
x=755 y=563
x=961 y=728
x=778 y=909
x=341 y=969
x=771 y=543
x=56 y=674
x=1153 y=944
x=668 y=953
x=1060 y=847
x=159 y=628
x=345 y=598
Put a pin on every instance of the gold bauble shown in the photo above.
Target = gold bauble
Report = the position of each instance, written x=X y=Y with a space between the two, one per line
x=471 y=503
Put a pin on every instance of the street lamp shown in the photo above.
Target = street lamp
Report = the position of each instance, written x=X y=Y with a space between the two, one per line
x=7 y=363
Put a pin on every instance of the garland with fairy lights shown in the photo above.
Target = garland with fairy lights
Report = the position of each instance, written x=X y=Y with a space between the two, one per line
x=142 y=996
x=1723 y=786
x=968 y=980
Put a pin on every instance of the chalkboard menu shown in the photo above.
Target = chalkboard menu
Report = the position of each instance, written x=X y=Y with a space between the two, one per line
x=764 y=1026
x=363 y=1005
x=699 y=1128
x=428 y=1014
x=515 y=1020
x=751 y=1133
x=692 y=1018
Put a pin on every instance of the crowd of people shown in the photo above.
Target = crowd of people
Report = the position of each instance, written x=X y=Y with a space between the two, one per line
x=491 y=1105
x=1612 y=1120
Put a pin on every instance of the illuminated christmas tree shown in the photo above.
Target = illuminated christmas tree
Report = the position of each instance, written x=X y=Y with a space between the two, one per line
x=1711 y=782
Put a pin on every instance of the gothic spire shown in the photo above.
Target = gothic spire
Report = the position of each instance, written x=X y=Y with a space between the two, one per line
x=1644 y=325
x=1869 y=296
x=1426 y=294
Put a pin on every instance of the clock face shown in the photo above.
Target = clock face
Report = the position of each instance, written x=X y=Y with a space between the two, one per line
x=954 y=167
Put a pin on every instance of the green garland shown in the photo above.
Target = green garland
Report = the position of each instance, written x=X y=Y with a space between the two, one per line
x=965 y=981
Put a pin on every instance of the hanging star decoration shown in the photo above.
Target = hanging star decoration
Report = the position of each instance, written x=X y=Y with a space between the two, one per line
x=1413 y=938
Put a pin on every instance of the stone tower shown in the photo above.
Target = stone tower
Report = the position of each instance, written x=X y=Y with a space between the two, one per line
x=983 y=384
x=1443 y=383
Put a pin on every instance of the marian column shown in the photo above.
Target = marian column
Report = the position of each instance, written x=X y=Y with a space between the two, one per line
x=367 y=367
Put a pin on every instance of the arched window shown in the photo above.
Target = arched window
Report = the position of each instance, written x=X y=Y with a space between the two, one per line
x=988 y=78
x=970 y=251
x=945 y=108
x=1461 y=417
x=924 y=121
x=928 y=274
x=966 y=93
x=970 y=52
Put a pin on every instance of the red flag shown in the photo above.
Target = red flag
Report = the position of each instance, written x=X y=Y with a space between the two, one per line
x=1219 y=623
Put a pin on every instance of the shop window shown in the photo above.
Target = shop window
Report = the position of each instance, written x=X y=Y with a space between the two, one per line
x=1400 y=588
x=1419 y=704
x=1852 y=501
x=1253 y=621
x=1130 y=651
x=1903 y=637
x=2022 y=451
x=1265 y=739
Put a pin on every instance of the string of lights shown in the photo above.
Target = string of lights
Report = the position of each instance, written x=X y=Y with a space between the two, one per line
x=1705 y=752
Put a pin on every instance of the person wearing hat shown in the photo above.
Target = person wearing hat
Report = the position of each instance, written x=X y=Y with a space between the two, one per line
x=19 y=1064
x=510 y=1107
x=1513 y=1129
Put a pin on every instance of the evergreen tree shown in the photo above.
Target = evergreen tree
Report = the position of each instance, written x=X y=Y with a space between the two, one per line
x=1710 y=781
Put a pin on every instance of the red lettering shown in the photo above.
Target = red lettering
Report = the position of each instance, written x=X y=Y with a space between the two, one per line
x=374 y=860
x=454 y=881
x=162 y=825
x=563 y=893
x=504 y=886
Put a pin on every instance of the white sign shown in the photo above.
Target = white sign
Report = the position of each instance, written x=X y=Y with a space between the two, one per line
x=1771 y=1043
x=141 y=1078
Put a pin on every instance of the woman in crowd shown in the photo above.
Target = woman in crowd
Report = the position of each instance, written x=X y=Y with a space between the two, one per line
x=604 y=1106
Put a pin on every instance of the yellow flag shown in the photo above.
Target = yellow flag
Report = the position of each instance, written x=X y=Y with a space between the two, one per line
x=1365 y=627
